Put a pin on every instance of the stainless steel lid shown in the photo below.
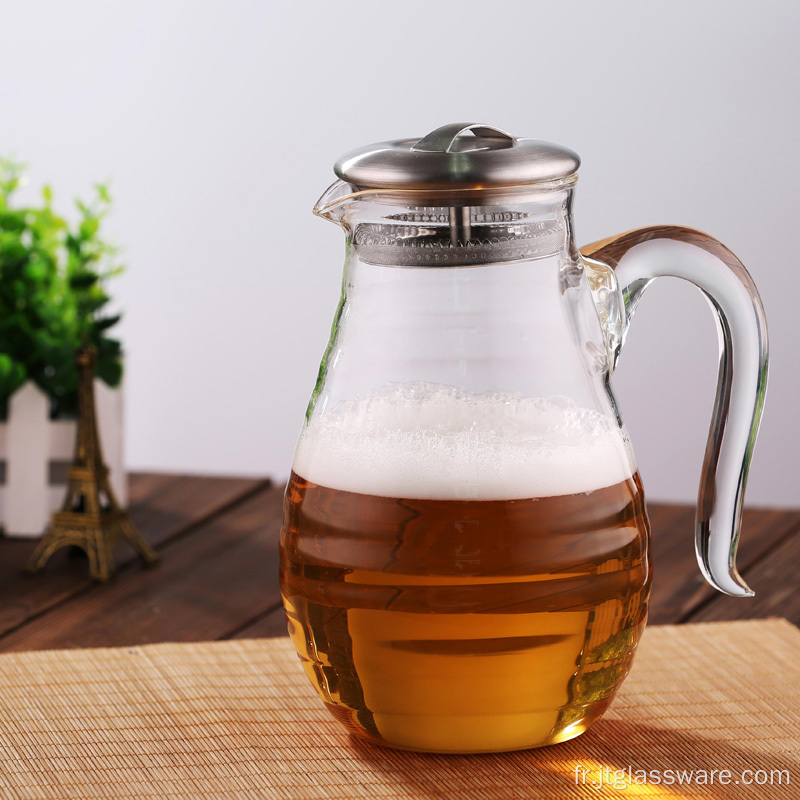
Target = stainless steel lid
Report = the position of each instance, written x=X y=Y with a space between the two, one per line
x=462 y=156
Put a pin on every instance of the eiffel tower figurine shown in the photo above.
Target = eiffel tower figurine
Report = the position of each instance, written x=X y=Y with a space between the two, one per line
x=90 y=518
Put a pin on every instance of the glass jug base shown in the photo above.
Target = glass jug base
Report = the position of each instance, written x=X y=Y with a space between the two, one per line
x=473 y=734
x=465 y=625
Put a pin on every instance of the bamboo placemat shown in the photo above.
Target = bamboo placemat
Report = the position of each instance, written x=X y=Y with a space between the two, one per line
x=238 y=719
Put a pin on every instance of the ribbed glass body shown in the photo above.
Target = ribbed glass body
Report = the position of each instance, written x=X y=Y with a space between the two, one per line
x=464 y=552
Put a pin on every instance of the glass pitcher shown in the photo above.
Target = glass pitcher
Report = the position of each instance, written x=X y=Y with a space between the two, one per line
x=464 y=557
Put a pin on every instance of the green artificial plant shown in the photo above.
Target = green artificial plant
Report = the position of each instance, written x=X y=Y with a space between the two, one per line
x=52 y=295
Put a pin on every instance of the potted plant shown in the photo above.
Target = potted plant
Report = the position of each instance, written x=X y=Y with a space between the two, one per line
x=53 y=300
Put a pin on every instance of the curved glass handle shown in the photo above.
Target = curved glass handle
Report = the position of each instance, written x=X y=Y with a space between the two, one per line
x=637 y=258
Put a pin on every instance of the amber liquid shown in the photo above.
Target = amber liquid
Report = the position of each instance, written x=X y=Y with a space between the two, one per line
x=465 y=626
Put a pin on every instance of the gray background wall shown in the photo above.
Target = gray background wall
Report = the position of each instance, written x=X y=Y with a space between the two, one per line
x=220 y=122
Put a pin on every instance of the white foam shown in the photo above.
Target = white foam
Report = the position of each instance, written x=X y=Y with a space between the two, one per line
x=433 y=442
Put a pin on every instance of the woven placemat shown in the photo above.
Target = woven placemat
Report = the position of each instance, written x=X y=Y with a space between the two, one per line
x=238 y=719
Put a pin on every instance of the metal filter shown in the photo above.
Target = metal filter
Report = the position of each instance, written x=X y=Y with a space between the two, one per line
x=463 y=236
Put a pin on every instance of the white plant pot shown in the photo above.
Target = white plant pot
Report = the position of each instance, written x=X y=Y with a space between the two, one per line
x=36 y=451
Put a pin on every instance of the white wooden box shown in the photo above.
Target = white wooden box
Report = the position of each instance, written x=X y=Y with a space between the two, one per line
x=35 y=452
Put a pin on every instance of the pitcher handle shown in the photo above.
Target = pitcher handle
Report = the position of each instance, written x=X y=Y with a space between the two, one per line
x=637 y=258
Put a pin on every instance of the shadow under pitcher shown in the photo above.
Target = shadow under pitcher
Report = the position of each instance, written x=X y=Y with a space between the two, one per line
x=464 y=556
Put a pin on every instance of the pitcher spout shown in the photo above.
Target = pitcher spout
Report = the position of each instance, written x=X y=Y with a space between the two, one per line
x=334 y=201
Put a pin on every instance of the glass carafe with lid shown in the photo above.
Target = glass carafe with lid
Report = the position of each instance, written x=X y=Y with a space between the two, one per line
x=464 y=558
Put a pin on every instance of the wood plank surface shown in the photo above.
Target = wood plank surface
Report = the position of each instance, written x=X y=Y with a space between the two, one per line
x=673 y=553
x=208 y=584
x=218 y=578
x=775 y=582
x=271 y=624
x=679 y=589
x=162 y=506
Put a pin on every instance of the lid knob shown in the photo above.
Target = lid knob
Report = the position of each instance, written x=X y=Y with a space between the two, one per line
x=447 y=138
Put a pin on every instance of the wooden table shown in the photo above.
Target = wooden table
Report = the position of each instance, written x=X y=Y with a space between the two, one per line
x=218 y=577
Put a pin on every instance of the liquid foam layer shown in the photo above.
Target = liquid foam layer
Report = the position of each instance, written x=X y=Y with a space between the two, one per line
x=431 y=442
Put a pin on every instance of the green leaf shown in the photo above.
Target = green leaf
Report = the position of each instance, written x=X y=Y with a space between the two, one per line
x=10 y=177
x=83 y=280
x=12 y=376
x=104 y=323
x=109 y=348
x=12 y=220
x=109 y=371
x=36 y=270
x=103 y=192
x=89 y=226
